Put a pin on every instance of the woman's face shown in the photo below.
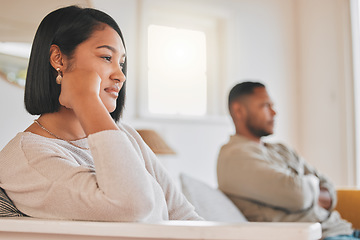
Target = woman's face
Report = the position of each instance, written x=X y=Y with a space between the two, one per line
x=103 y=53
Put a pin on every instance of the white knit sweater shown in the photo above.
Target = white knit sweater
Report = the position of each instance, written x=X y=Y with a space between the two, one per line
x=118 y=179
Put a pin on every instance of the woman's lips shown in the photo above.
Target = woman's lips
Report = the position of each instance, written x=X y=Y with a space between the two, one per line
x=113 y=90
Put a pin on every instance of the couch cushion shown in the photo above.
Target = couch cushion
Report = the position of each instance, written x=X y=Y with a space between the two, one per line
x=7 y=208
x=210 y=203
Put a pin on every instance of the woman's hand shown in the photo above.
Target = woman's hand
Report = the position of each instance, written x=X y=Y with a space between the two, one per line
x=78 y=85
x=80 y=91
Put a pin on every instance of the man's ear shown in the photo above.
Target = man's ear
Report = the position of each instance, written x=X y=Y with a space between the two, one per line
x=56 y=57
x=238 y=110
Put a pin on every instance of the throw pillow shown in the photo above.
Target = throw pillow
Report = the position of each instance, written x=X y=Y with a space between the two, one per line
x=7 y=208
x=210 y=203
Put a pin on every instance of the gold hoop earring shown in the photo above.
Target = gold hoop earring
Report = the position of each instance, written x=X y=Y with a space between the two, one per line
x=59 y=76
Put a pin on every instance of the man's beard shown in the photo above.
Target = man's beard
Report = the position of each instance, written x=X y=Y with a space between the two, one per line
x=258 y=132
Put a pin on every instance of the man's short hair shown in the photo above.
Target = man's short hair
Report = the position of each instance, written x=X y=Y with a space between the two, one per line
x=242 y=89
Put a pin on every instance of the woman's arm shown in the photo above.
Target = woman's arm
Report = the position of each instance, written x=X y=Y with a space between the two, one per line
x=178 y=206
x=57 y=181
x=119 y=188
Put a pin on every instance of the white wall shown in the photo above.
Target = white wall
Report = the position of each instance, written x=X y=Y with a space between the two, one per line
x=300 y=57
x=265 y=49
x=14 y=117
x=325 y=87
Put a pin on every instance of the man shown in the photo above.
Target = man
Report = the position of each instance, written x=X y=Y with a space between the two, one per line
x=270 y=182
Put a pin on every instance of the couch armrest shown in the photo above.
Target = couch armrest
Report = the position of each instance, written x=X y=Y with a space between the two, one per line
x=31 y=229
x=349 y=205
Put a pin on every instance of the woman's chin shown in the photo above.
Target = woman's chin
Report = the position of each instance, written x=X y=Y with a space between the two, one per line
x=110 y=108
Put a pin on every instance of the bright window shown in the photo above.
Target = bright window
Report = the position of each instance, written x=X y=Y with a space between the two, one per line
x=177 y=81
x=183 y=64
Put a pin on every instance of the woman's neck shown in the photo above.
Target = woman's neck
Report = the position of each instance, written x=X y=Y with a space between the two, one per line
x=63 y=124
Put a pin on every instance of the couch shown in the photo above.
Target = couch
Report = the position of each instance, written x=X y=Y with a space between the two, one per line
x=349 y=205
x=203 y=197
x=224 y=221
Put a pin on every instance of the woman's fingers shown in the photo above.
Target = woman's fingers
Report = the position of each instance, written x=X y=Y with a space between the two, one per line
x=77 y=85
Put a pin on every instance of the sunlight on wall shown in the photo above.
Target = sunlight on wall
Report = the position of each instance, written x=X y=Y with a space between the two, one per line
x=176 y=71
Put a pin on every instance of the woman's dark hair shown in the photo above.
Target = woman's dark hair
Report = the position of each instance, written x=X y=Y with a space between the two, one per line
x=67 y=28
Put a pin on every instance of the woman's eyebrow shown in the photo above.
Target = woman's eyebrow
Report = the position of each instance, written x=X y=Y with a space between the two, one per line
x=111 y=49
x=108 y=47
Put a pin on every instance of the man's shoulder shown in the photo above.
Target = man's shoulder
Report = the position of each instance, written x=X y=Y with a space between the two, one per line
x=240 y=146
x=237 y=142
x=279 y=146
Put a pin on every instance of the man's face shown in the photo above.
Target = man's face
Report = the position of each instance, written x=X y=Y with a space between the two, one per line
x=259 y=113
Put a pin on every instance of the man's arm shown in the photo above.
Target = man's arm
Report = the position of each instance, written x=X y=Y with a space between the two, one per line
x=247 y=174
x=325 y=200
x=327 y=196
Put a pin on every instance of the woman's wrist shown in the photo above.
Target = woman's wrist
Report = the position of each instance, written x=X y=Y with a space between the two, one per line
x=93 y=115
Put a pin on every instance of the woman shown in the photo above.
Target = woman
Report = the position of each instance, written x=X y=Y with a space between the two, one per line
x=75 y=161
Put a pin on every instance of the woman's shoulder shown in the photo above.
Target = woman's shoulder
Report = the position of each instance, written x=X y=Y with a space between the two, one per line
x=31 y=142
x=127 y=128
x=130 y=131
x=17 y=141
x=22 y=139
x=14 y=148
x=30 y=147
x=13 y=143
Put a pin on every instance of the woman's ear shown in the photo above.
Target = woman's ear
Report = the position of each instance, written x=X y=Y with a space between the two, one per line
x=56 y=57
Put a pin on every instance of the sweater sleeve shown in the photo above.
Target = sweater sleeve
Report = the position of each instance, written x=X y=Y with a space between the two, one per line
x=244 y=172
x=324 y=182
x=51 y=183
x=121 y=174
x=179 y=208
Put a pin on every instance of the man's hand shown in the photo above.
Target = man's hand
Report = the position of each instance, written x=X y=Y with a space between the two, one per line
x=325 y=200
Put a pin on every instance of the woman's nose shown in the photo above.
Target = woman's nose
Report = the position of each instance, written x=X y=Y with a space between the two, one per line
x=118 y=75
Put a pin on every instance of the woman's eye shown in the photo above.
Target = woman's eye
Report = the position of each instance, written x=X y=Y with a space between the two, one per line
x=107 y=58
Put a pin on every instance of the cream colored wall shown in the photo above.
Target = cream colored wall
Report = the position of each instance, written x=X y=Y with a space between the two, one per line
x=14 y=117
x=325 y=88
x=265 y=49
x=296 y=47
